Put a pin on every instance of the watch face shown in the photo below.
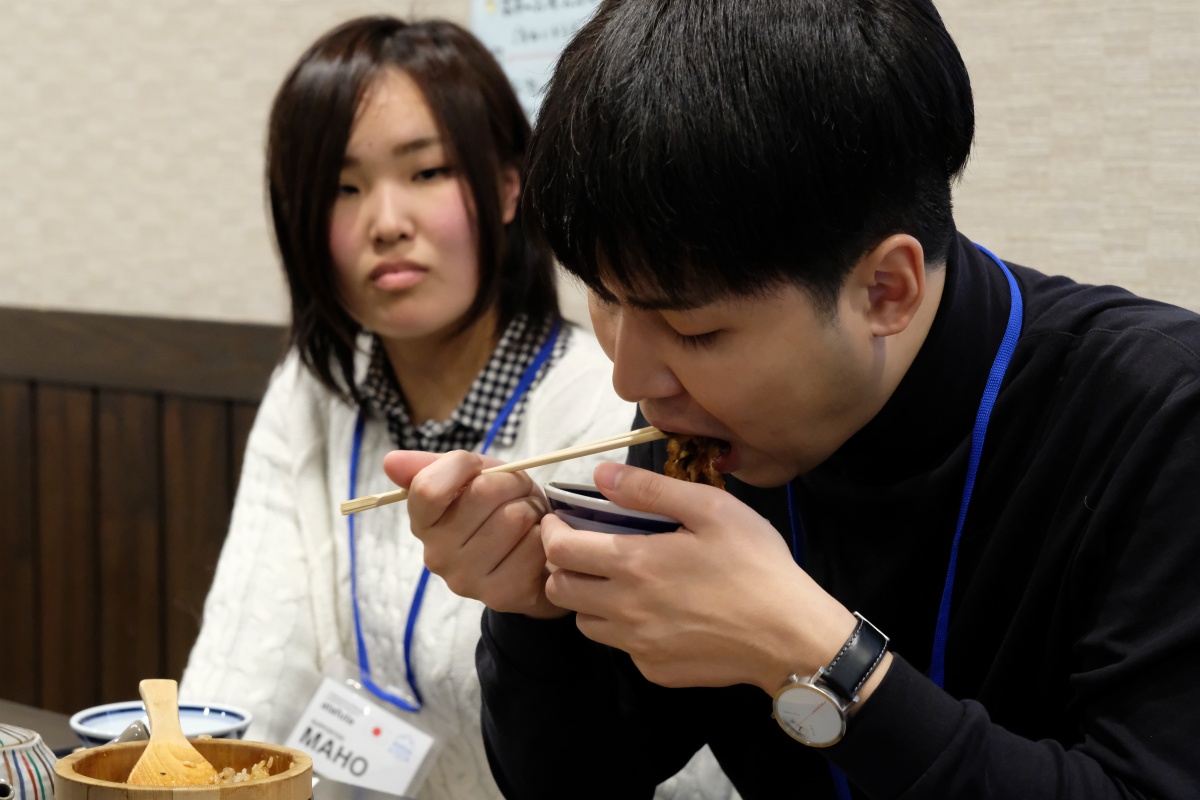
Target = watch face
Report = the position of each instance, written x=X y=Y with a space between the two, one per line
x=810 y=714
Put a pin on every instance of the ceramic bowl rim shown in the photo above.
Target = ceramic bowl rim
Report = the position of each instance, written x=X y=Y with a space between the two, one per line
x=585 y=524
x=91 y=734
x=601 y=504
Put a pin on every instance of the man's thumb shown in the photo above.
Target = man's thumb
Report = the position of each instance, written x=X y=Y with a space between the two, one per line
x=402 y=465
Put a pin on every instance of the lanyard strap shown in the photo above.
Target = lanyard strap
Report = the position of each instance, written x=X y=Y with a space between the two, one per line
x=937 y=666
x=414 y=610
x=1012 y=331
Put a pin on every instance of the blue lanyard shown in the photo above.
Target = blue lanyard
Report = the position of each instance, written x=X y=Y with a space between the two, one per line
x=414 y=609
x=937 y=667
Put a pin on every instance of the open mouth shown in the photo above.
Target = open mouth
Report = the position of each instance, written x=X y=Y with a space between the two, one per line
x=695 y=459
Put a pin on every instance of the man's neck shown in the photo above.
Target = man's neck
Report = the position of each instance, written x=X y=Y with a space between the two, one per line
x=909 y=343
x=902 y=348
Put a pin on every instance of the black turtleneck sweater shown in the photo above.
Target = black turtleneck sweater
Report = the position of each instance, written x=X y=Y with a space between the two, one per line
x=1073 y=657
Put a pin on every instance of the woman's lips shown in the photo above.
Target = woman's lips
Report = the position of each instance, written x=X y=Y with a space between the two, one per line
x=395 y=277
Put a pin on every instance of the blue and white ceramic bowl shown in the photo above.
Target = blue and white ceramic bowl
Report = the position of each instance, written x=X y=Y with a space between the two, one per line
x=582 y=506
x=101 y=724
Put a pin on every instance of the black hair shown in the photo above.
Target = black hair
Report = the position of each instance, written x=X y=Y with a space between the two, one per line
x=485 y=131
x=694 y=149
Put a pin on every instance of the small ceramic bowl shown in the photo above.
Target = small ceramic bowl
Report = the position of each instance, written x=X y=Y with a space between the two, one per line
x=26 y=765
x=582 y=506
x=101 y=724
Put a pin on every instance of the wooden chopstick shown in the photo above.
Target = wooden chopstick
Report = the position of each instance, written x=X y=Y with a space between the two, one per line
x=611 y=443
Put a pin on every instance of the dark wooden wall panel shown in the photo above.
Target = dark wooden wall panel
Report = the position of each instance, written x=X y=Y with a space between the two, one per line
x=66 y=471
x=189 y=358
x=121 y=444
x=197 y=497
x=131 y=610
x=19 y=662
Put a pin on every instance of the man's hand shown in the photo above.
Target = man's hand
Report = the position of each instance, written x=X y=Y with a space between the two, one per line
x=481 y=532
x=716 y=603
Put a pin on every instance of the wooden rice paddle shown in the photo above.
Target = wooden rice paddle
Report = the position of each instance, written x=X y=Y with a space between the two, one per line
x=169 y=758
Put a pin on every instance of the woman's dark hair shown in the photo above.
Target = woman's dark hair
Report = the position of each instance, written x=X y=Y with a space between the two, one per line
x=694 y=150
x=485 y=131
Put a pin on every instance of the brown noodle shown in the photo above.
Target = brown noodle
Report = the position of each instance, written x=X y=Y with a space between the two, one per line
x=690 y=458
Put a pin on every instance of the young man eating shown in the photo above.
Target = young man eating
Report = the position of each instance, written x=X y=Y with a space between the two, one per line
x=956 y=553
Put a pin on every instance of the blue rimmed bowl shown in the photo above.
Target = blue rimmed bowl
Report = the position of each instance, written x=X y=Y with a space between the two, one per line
x=101 y=724
x=582 y=506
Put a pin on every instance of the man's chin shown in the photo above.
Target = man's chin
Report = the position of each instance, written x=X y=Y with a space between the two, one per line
x=763 y=476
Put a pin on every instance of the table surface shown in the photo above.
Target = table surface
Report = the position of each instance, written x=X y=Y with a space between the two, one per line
x=53 y=726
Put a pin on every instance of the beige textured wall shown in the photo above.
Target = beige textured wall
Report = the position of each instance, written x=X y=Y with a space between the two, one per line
x=1087 y=157
x=131 y=137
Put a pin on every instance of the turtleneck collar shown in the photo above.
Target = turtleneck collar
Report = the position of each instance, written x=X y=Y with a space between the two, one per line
x=933 y=409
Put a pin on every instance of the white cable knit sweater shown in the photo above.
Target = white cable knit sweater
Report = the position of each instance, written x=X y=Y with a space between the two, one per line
x=278 y=615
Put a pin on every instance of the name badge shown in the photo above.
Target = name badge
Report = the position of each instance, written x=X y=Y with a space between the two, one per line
x=356 y=741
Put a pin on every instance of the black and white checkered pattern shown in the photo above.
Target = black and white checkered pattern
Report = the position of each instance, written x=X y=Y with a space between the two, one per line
x=470 y=422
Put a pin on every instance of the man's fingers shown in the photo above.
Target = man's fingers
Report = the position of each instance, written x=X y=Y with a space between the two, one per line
x=473 y=503
x=480 y=532
x=494 y=539
x=604 y=555
x=643 y=490
x=585 y=594
x=518 y=582
x=577 y=550
x=401 y=465
x=435 y=490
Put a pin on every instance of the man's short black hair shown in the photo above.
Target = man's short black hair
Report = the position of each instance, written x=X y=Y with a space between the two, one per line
x=692 y=149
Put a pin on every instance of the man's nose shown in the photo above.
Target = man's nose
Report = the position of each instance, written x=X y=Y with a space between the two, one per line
x=639 y=371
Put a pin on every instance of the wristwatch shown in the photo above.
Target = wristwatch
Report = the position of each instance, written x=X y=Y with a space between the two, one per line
x=813 y=710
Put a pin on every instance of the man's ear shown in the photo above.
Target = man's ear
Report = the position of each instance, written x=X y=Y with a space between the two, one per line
x=510 y=193
x=892 y=278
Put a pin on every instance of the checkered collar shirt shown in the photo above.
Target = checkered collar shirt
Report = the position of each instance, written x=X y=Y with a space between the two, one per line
x=469 y=424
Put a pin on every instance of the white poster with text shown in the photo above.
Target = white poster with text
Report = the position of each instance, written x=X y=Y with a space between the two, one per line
x=526 y=37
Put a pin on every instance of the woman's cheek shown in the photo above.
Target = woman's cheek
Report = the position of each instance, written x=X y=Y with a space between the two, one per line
x=341 y=244
x=449 y=226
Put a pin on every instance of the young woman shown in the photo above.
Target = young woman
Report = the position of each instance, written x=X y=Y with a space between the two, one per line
x=421 y=319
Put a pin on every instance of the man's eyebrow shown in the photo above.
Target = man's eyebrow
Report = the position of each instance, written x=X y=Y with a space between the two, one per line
x=647 y=299
x=658 y=303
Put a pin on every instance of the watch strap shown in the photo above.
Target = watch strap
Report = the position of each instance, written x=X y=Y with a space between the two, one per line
x=855 y=662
